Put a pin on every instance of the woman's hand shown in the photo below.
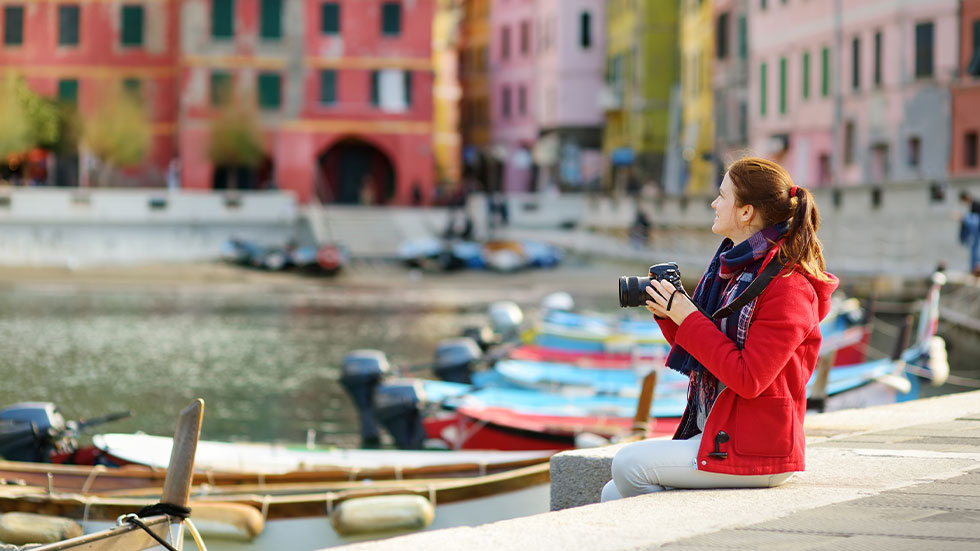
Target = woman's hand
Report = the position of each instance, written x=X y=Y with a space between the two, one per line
x=680 y=306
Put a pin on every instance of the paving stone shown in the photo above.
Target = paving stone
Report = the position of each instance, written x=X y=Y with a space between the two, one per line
x=943 y=489
x=892 y=543
x=922 y=501
x=752 y=539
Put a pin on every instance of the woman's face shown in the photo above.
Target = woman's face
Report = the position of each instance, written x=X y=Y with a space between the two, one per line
x=726 y=221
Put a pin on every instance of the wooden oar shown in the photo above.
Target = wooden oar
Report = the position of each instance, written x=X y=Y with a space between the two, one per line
x=641 y=421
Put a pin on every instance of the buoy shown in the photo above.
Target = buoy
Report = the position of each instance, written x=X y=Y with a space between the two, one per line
x=24 y=528
x=938 y=361
x=367 y=515
x=233 y=521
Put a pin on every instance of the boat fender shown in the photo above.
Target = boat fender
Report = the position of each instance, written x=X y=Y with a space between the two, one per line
x=938 y=361
x=896 y=380
x=24 y=528
x=230 y=521
x=376 y=514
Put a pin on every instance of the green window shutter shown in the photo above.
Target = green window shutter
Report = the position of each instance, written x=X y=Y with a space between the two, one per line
x=220 y=88
x=743 y=37
x=375 y=88
x=68 y=25
x=782 y=86
x=825 y=72
x=222 y=18
x=408 y=88
x=923 y=50
x=762 y=90
x=328 y=87
x=68 y=91
x=133 y=87
x=132 y=25
x=877 y=76
x=13 y=25
x=331 y=18
x=391 y=19
x=806 y=75
x=271 y=24
x=270 y=91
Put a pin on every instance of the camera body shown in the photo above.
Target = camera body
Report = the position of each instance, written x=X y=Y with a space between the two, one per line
x=632 y=289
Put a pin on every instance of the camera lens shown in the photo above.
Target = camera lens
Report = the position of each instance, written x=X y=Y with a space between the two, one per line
x=632 y=291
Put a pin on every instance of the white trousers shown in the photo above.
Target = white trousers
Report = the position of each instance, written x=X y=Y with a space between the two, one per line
x=655 y=465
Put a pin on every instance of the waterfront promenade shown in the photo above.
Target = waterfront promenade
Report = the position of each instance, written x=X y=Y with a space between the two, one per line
x=896 y=477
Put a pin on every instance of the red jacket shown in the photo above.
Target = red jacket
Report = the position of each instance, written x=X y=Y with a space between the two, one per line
x=764 y=400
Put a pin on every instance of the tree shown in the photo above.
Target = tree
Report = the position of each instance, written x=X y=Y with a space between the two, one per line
x=117 y=134
x=236 y=140
x=27 y=120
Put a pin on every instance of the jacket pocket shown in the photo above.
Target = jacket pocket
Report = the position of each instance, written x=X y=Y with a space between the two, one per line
x=764 y=426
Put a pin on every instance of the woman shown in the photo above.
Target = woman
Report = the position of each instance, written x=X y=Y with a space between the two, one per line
x=749 y=363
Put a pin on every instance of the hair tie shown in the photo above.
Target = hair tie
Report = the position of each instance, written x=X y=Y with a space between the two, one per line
x=792 y=191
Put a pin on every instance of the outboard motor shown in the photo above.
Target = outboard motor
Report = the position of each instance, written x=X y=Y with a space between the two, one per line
x=505 y=319
x=32 y=431
x=399 y=408
x=454 y=359
x=361 y=372
x=483 y=335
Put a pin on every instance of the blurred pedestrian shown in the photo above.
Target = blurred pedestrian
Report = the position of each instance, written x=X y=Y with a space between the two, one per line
x=970 y=230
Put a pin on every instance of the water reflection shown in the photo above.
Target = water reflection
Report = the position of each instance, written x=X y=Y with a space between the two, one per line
x=265 y=364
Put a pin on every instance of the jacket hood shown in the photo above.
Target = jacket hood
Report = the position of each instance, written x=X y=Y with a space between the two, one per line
x=823 y=289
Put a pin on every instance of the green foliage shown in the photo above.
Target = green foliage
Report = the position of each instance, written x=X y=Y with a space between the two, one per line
x=27 y=119
x=118 y=133
x=236 y=136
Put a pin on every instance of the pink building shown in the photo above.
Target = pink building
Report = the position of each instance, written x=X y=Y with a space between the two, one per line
x=515 y=36
x=570 y=66
x=895 y=65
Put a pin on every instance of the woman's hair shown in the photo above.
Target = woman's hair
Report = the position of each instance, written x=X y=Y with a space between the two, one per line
x=767 y=186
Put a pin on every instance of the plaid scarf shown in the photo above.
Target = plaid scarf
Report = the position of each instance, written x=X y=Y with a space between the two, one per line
x=731 y=270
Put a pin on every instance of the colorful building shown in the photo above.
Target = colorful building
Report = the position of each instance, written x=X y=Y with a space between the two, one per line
x=641 y=69
x=474 y=63
x=83 y=51
x=446 y=92
x=570 y=62
x=513 y=111
x=884 y=85
x=965 y=157
x=730 y=81
x=697 y=54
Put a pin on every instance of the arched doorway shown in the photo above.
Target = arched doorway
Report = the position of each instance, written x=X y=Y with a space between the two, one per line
x=355 y=172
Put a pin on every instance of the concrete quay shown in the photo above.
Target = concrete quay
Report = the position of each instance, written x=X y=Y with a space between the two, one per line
x=895 y=477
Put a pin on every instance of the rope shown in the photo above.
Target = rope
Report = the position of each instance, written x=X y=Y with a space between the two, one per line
x=195 y=534
x=432 y=495
x=210 y=474
x=330 y=497
x=91 y=478
x=168 y=509
x=88 y=504
x=261 y=480
x=265 y=506
x=483 y=467
x=353 y=472
x=398 y=472
x=134 y=520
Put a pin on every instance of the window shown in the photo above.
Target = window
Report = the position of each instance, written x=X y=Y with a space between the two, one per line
x=133 y=87
x=806 y=75
x=408 y=88
x=923 y=50
x=970 y=143
x=762 y=90
x=743 y=121
x=825 y=72
x=13 y=25
x=504 y=43
x=132 y=25
x=525 y=37
x=68 y=90
x=375 y=88
x=585 y=30
x=849 y=143
x=974 y=67
x=220 y=88
x=330 y=16
x=721 y=35
x=877 y=76
x=68 y=25
x=270 y=91
x=222 y=18
x=271 y=20
x=391 y=19
x=762 y=5
x=856 y=63
x=913 y=153
x=522 y=100
x=505 y=102
x=782 y=86
x=743 y=37
x=328 y=87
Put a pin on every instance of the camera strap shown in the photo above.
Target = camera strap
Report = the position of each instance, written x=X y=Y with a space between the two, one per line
x=754 y=289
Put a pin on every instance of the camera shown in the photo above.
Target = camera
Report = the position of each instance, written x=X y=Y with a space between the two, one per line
x=633 y=289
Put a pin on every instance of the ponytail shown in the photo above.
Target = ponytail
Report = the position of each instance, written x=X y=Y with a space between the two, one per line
x=769 y=188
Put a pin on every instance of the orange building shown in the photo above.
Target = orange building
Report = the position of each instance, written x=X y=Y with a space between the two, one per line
x=965 y=157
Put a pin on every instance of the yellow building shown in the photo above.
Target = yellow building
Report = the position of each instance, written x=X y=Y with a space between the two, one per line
x=641 y=69
x=697 y=116
x=446 y=91
x=474 y=63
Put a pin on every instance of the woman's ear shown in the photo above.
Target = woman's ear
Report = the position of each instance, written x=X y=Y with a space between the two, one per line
x=746 y=215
